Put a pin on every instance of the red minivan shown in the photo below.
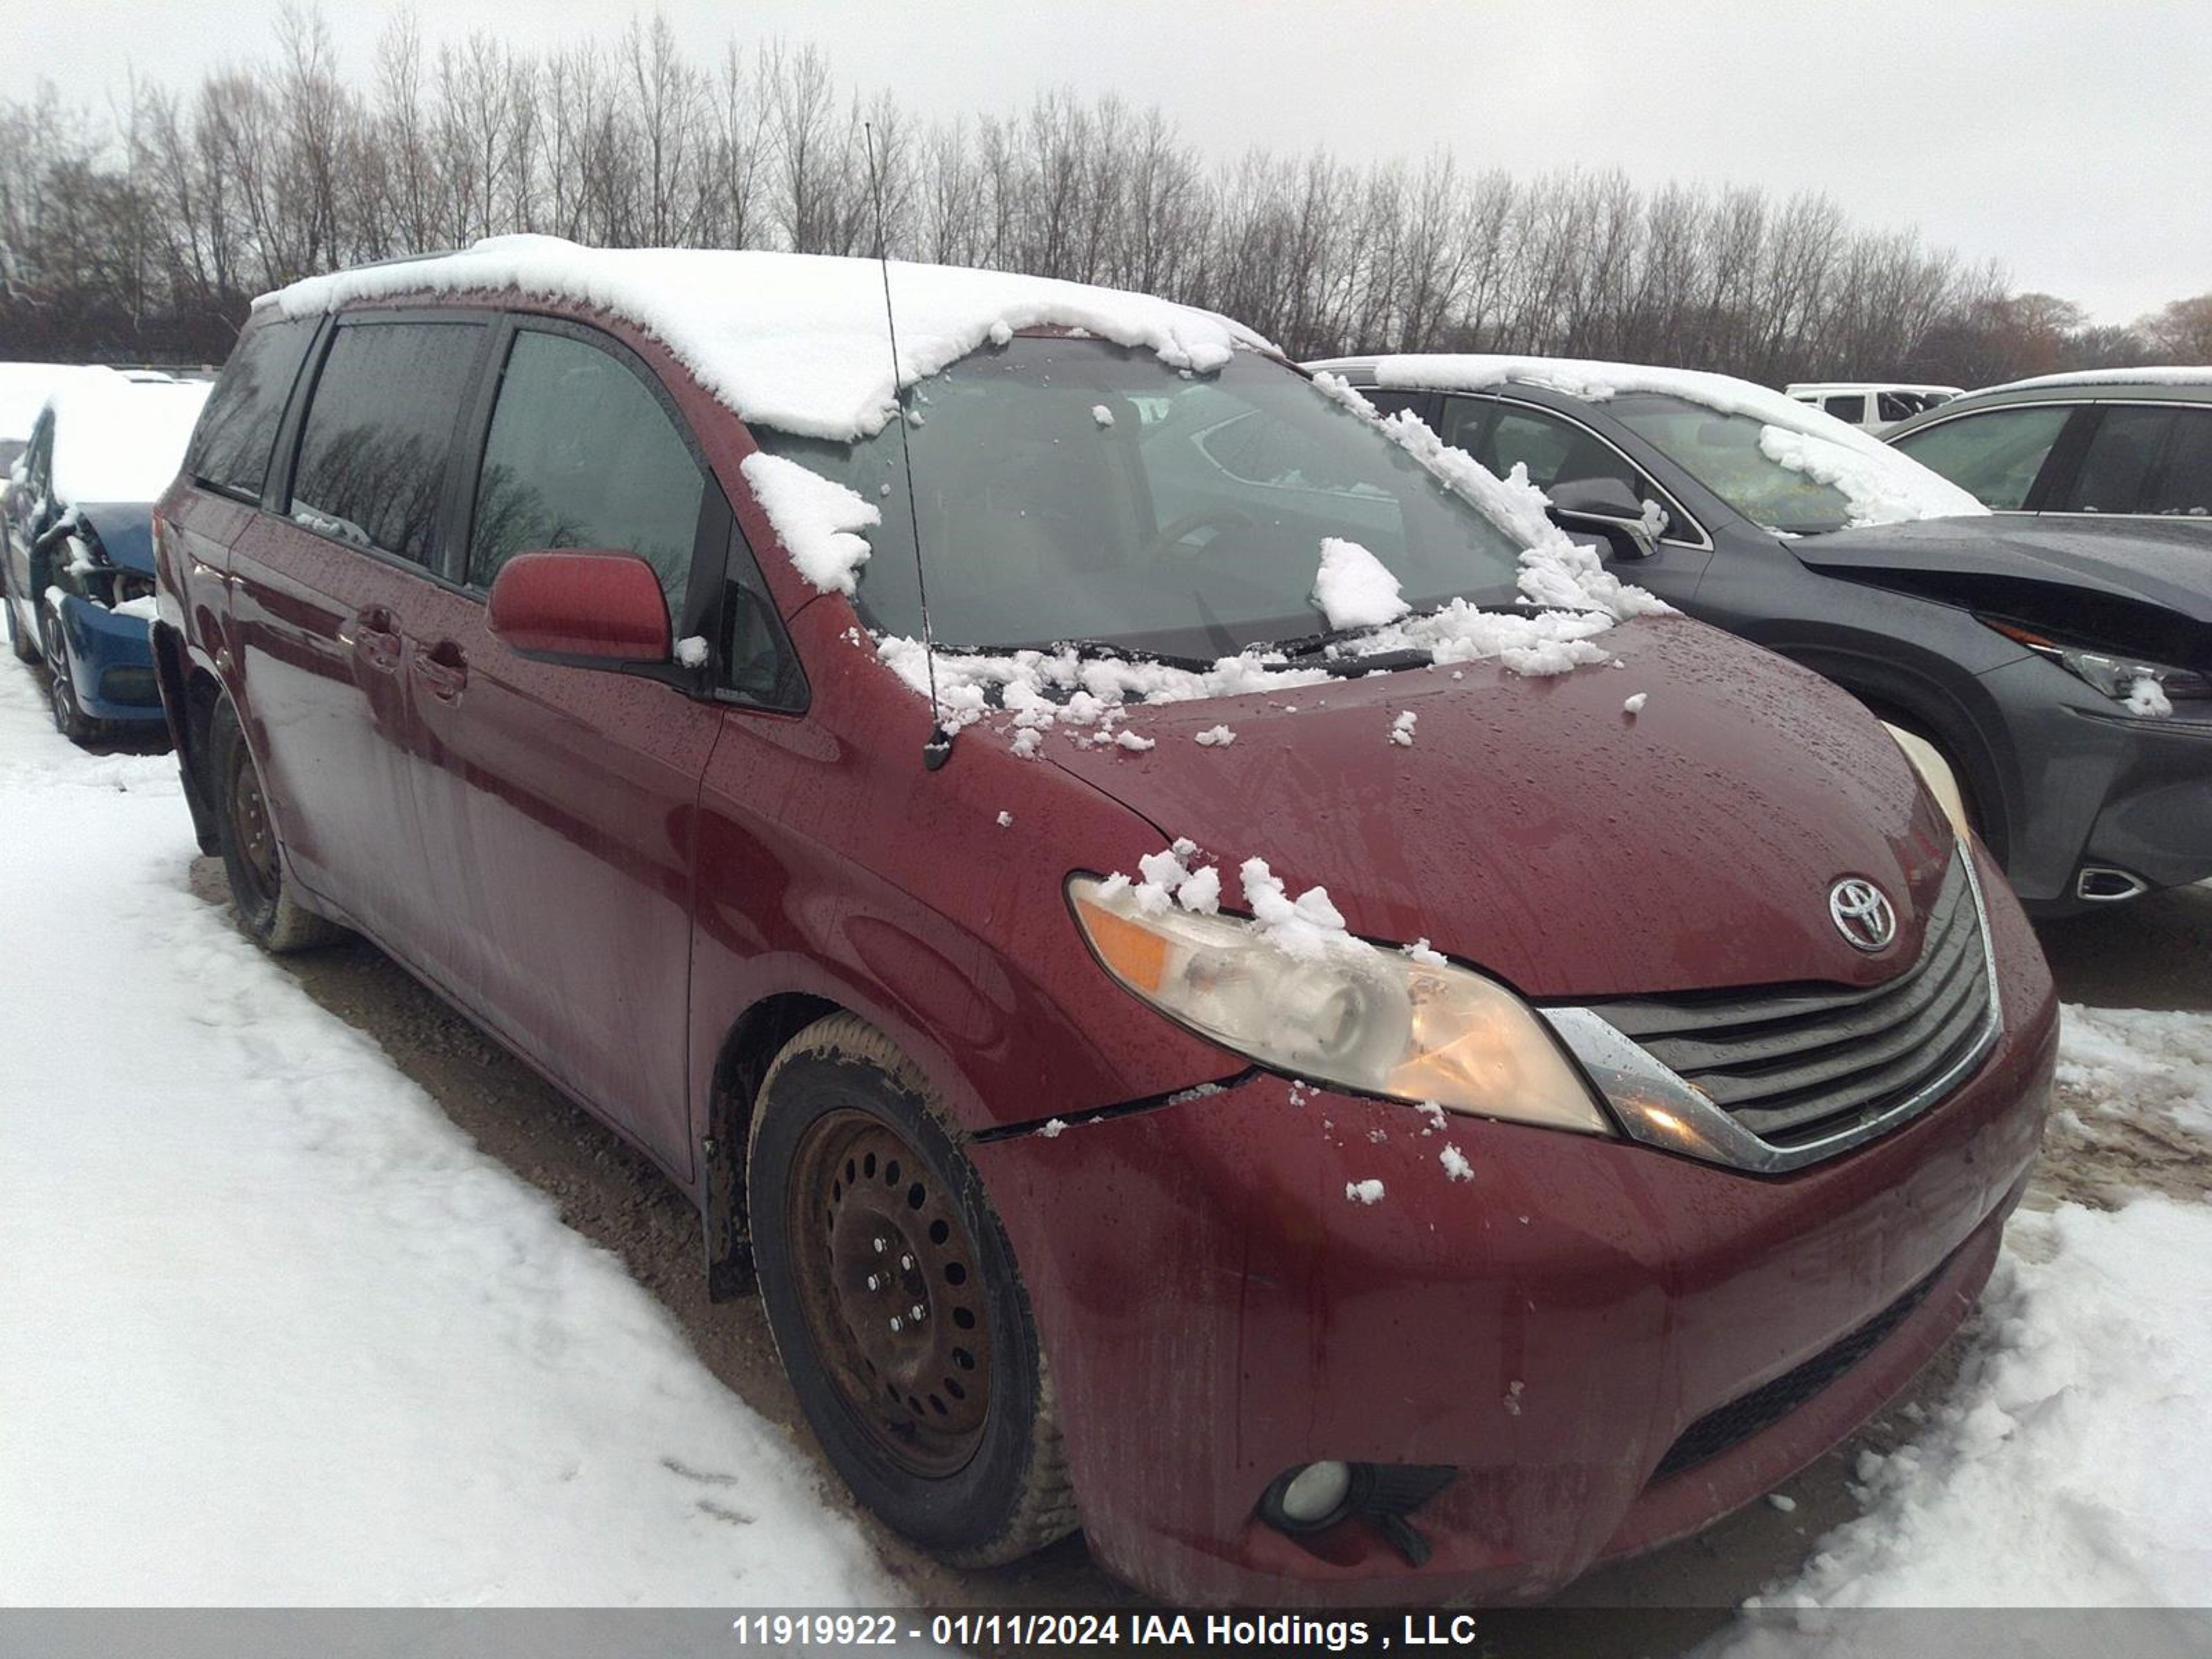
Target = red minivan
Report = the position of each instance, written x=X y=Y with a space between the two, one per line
x=1230 y=988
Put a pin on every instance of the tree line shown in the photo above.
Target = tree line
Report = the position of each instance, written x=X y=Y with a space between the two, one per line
x=142 y=232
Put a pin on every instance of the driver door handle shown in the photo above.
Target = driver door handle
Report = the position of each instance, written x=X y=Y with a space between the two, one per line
x=444 y=668
x=375 y=640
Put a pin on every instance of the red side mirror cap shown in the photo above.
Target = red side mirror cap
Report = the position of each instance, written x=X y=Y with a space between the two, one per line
x=591 y=608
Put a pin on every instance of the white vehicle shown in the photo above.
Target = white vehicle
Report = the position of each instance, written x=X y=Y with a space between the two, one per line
x=1873 y=405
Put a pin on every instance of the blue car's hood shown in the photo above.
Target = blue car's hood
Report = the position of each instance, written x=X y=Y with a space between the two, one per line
x=125 y=530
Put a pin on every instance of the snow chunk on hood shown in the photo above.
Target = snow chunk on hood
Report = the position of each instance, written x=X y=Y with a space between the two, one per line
x=793 y=341
x=1882 y=485
x=1355 y=589
x=819 y=520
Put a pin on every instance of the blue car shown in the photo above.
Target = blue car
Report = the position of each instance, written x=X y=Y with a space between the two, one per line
x=79 y=564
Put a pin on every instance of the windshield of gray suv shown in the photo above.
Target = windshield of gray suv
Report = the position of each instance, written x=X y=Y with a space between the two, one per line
x=1721 y=451
x=1070 y=489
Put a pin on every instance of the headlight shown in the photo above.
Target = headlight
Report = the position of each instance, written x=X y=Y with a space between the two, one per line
x=1934 y=772
x=1368 y=1019
x=2144 y=688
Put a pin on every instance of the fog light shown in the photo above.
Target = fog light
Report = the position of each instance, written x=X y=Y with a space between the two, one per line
x=1308 y=1498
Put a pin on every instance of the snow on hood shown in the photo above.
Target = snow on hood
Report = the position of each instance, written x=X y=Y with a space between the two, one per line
x=119 y=439
x=1882 y=485
x=24 y=389
x=793 y=341
x=2169 y=375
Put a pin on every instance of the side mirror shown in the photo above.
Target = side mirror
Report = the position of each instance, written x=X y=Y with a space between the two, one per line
x=594 y=608
x=1608 y=506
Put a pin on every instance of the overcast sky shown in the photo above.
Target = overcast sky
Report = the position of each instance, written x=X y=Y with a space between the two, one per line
x=2072 y=143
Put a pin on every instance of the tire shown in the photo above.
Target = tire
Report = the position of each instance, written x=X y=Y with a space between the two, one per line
x=261 y=885
x=848 y=1167
x=69 y=719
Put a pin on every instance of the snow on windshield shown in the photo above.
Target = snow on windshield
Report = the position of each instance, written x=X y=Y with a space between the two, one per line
x=117 y=440
x=1569 y=598
x=793 y=341
x=1880 y=485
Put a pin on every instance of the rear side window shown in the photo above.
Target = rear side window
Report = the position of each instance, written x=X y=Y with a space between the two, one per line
x=1993 y=458
x=237 y=428
x=1852 y=409
x=372 y=454
x=2121 y=462
x=2184 y=482
x=581 y=454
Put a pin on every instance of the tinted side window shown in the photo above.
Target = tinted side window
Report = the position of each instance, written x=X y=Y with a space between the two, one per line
x=2185 y=482
x=582 y=454
x=1852 y=409
x=237 y=428
x=1895 y=405
x=1554 y=450
x=372 y=454
x=2118 y=466
x=757 y=660
x=1993 y=457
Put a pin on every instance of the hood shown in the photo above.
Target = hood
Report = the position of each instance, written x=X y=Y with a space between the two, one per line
x=2147 y=563
x=125 y=530
x=1535 y=829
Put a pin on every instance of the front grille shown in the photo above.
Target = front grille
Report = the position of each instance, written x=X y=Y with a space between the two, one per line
x=1796 y=1065
x=1716 y=1431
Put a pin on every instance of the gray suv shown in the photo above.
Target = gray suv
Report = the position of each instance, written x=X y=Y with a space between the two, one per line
x=2062 y=668
x=2109 y=443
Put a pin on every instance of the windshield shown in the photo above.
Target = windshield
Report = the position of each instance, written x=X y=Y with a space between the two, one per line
x=1071 y=490
x=1721 y=451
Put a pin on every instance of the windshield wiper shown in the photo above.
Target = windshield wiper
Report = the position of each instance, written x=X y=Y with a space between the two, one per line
x=1087 y=651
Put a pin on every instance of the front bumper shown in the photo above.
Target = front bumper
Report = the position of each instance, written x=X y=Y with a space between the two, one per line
x=111 y=662
x=1216 y=1308
x=2101 y=788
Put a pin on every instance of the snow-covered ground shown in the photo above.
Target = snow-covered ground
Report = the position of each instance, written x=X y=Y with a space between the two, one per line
x=271 y=1330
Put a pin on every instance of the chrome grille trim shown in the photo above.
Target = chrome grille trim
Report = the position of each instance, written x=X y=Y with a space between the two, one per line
x=1657 y=1105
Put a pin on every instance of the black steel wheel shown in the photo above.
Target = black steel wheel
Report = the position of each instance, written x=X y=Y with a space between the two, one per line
x=253 y=855
x=896 y=1303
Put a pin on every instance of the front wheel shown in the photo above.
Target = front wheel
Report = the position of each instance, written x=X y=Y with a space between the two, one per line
x=253 y=857
x=69 y=719
x=895 y=1304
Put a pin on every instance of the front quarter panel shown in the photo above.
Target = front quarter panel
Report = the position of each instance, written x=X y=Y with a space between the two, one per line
x=832 y=864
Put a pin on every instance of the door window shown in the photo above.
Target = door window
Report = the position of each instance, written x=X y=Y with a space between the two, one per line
x=1993 y=457
x=373 y=454
x=582 y=454
x=230 y=450
x=1852 y=409
x=2185 y=482
x=2120 y=463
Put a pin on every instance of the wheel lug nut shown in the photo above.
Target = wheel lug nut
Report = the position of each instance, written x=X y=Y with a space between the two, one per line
x=882 y=1244
x=875 y=1281
x=906 y=1263
x=895 y=1322
x=917 y=1311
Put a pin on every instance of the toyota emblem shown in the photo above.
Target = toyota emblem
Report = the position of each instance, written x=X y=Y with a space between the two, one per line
x=1862 y=914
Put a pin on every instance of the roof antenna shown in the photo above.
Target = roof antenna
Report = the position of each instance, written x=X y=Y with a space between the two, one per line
x=939 y=749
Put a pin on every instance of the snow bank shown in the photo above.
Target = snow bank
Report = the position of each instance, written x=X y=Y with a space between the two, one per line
x=1882 y=485
x=793 y=341
x=278 y=1334
x=2069 y=1466
x=120 y=439
x=2142 y=1065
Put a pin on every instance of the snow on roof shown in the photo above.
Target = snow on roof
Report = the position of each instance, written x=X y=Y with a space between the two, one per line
x=24 y=389
x=793 y=341
x=2169 y=375
x=1882 y=485
x=121 y=440
x=1799 y=388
